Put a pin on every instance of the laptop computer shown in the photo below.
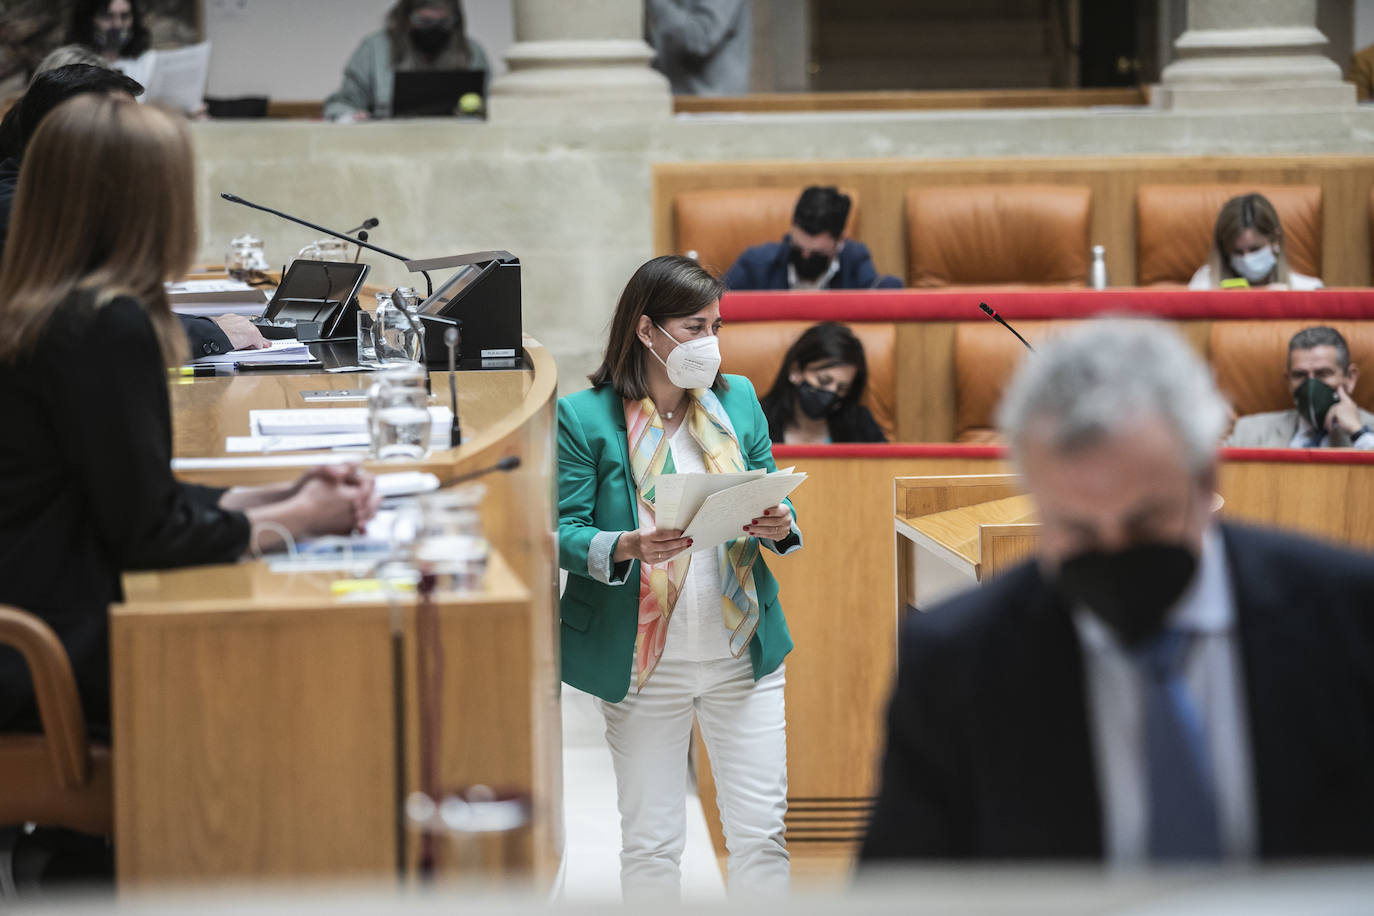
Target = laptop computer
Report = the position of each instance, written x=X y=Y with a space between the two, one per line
x=437 y=93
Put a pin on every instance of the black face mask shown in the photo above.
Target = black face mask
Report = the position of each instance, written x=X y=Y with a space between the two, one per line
x=112 y=39
x=1130 y=590
x=1314 y=399
x=430 y=39
x=817 y=403
x=809 y=267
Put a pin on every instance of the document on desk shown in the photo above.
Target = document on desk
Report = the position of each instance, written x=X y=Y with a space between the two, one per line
x=280 y=351
x=722 y=514
x=319 y=421
x=215 y=297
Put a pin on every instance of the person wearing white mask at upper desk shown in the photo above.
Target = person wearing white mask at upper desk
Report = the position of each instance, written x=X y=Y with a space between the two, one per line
x=419 y=35
x=1248 y=244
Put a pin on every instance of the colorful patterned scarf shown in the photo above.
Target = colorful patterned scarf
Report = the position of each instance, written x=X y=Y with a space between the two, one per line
x=660 y=585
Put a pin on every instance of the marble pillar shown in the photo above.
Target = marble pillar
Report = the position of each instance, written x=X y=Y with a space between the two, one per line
x=1252 y=55
x=574 y=62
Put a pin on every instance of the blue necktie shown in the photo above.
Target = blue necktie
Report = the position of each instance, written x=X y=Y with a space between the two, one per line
x=1314 y=438
x=1183 y=823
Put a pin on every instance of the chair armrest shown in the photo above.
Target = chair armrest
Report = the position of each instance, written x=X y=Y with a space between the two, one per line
x=59 y=704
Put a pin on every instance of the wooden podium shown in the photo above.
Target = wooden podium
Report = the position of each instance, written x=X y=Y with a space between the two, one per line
x=955 y=531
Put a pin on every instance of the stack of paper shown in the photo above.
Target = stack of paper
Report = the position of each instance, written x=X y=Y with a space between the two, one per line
x=714 y=508
x=339 y=421
x=280 y=351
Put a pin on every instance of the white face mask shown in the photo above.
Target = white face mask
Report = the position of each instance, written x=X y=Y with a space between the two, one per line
x=1256 y=265
x=693 y=364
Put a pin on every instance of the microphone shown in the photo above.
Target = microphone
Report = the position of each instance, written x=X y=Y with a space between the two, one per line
x=235 y=199
x=370 y=223
x=987 y=310
x=455 y=435
x=508 y=463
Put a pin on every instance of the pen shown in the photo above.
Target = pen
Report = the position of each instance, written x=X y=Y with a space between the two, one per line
x=204 y=371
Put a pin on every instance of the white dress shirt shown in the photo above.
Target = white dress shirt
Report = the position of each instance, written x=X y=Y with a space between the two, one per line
x=1215 y=682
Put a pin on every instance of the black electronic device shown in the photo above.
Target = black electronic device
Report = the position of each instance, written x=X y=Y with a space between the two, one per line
x=319 y=293
x=437 y=93
x=481 y=300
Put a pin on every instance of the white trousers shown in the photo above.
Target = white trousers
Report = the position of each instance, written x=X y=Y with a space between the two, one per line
x=743 y=725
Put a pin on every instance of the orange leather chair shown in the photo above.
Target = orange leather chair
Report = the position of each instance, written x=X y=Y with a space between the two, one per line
x=1250 y=357
x=718 y=225
x=58 y=778
x=998 y=234
x=985 y=356
x=755 y=350
x=1174 y=225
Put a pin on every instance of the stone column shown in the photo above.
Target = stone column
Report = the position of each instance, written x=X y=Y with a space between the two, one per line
x=1253 y=55
x=579 y=61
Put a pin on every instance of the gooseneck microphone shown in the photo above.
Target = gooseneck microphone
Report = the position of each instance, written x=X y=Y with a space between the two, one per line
x=235 y=199
x=370 y=223
x=988 y=310
x=508 y=463
x=455 y=435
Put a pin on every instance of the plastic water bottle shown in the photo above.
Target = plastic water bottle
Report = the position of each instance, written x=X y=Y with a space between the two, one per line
x=1097 y=276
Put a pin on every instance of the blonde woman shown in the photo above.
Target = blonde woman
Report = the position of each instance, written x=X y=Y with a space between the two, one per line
x=103 y=216
x=1248 y=243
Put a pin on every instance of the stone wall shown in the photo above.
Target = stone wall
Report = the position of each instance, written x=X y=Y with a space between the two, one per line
x=573 y=200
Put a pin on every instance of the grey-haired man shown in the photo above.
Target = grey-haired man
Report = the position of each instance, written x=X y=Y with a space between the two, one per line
x=1321 y=378
x=1154 y=687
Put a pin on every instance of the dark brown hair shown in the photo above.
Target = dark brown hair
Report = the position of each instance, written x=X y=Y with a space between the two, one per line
x=398 y=29
x=668 y=287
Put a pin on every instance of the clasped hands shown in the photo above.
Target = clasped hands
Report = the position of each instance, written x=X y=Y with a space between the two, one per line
x=655 y=546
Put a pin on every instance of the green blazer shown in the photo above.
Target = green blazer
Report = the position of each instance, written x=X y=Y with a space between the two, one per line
x=596 y=493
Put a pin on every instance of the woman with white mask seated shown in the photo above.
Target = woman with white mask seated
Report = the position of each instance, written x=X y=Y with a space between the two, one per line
x=1248 y=244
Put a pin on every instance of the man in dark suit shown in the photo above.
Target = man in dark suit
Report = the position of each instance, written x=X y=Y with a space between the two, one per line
x=1153 y=687
x=814 y=255
x=48 y=90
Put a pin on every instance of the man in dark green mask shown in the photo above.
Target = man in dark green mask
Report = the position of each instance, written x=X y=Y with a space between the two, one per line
x=1321 y=378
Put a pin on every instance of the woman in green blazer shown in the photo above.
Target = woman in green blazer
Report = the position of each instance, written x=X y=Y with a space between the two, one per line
x=659 y=634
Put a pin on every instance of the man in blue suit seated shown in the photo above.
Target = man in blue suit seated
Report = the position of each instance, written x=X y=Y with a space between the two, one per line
x=814 y=255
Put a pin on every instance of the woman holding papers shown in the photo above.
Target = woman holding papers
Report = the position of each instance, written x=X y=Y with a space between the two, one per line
x=659 y=632
x=103 y=216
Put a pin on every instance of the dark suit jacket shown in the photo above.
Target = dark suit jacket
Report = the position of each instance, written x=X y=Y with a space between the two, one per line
x=203 y=335
x=87 y=492
x=765 y=267
x=989 y=752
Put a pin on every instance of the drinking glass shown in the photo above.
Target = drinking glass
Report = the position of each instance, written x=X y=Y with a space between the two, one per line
x=367 y=346
x=398 y=413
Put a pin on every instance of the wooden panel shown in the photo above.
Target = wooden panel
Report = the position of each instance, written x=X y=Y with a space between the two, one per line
x=925 y=381
x=898 y=100
x=1004 y=546
x=1326 y=500
x=917 y=496
x=1346 y=182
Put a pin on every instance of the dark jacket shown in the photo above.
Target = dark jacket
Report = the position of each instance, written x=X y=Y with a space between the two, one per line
x=765 y=267
x=203 y=335
x=854 y=424
x=87 y=492
x=989 y=754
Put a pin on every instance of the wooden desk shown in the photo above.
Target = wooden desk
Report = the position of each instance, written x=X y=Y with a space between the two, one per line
x=253 y=712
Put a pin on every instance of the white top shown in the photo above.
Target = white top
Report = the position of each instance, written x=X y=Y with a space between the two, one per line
x=1214 y=680
x=1301 y=282
x=696 y=631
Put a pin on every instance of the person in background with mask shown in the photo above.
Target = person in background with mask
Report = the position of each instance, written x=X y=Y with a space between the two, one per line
x=1247 y=244
x=659 y=634
x=815 y=398
x=114 y=30
x=814 y=255
x=419 y=35
x=1154 y=687
x=1324 y=414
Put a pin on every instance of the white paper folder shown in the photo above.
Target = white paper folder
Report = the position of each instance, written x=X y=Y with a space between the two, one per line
x=724 y=503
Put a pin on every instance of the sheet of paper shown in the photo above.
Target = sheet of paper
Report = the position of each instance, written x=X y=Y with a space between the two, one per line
x=677 y=497
x=316 y=421
x=265 y=444
x=251 y=308
x=280 y=351
x=723 y=515
x=210 y=290
x=178 y=77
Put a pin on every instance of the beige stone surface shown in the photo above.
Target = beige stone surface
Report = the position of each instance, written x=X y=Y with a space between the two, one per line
x=572 y=200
